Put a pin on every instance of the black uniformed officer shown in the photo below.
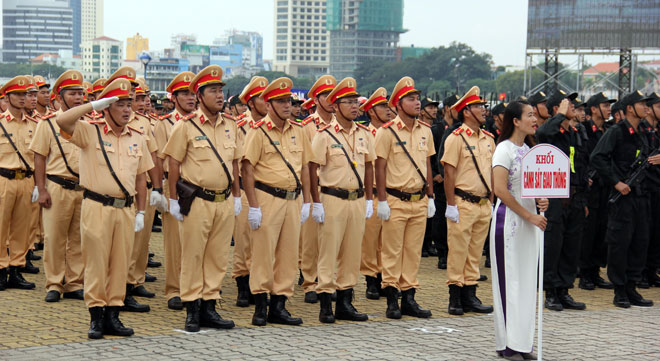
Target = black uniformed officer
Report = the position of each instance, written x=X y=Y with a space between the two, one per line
x=541 y=110
x=628 y=224
x=429 y=115
x=565 y=217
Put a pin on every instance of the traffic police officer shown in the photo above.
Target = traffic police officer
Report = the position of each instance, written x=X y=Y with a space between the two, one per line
x=42 y=95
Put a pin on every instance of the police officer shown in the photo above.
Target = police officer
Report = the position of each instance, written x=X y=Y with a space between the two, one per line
x=428 y=115
x=307 y=108
x=113 y=165
x=42 y=96
x=650 y=276
x=628 y=223
x=36 y=232
x=274 y=174
x=541 y=111
x=467 y=156
x=56 y=159
x=236 y=107
x=3 y=103
x=98 y=86
x=404 y=147
x=343 y=155
x=203 y=158
x=296 y=108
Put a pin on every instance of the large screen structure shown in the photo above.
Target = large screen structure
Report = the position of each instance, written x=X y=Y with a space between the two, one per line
x=593 y=24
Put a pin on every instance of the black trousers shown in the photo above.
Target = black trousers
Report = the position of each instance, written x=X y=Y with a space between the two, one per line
x=439 y=222
x=562 y=239
x=627 y=239
x=653 y=250
x=593 y=254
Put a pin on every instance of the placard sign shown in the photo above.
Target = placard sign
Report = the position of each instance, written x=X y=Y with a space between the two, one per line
x=546 y=173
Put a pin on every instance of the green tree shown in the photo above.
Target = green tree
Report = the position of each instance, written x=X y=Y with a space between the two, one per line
x=10 y=70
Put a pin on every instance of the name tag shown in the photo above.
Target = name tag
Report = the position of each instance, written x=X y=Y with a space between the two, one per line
x=201 y=137
x=8 y=135
x=57 y=134
x=276 y=142
x=337 y=146
x=107 y=144
x=402 y=143
x=473 y=147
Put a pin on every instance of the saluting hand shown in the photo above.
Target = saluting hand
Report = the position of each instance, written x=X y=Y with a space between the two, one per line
x=103 y=103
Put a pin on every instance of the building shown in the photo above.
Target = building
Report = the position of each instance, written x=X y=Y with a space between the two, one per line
x=601 y=69
x=76 y=8
x=101 y=57
x=301 y=39
x=136 y=45
x=63 y=58
x=238 y=53
x=362 y=31
x=33 y=27
x=91 y=17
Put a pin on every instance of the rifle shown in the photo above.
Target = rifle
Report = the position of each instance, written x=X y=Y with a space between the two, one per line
x=635 y=178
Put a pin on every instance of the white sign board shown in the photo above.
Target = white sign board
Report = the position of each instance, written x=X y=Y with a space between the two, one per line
x=546 y=173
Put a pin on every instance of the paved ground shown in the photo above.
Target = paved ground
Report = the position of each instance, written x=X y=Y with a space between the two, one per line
x=33 y=329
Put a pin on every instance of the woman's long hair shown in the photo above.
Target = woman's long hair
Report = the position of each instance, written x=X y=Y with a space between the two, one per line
x=512 y=111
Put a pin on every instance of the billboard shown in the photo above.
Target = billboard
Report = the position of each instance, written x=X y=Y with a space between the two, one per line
x=593 y=24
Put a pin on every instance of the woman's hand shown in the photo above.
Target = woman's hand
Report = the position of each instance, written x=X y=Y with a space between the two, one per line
x=542 y=204
x=538 y=220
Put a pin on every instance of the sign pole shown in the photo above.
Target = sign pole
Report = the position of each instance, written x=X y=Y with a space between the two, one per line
x=539 y=238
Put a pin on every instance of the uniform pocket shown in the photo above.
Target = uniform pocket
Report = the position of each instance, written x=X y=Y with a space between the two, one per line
x=202 y=149
x=5 y=147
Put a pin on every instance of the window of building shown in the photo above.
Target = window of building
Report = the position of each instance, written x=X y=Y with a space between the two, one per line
x=316 y=58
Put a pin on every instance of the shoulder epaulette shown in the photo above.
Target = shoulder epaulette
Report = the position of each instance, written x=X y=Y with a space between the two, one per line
x=142 y=114
x=295 y=123
x=163 y=117
x=241 y=116
x=574 y=128
x=488 y=133
x=96 y=122
x=241 y=123
x=307 y=120
x=258 y=124
x=47 y=116
x=424 y=123
x=227 y=115
x=134 y=129
x=324 y=128
x=189 y=116
x=32 y=119
x=386 y=125
x=458 y=131
x=363 y=126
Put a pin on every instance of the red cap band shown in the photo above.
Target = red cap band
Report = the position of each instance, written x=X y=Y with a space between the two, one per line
x=374 y=102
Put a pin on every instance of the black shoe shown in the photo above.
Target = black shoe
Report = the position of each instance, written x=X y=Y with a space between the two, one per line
x=568 y=302
x=96 y=324
x=32 y=257
x=487 y=263
x=455 y=306
x=311 y=297
x=153 y=264
x=130 y=304
x=53 y=296
x=112 y=325
x=3 y=279
x=157 y=220
x=192 y=315
x=301 y=279
x=470 y=301
x=16 y=280
x=644 y=282
x=393 y=311
x=140 y=291
x=654 y=279
x=586 y=283
x=482 y=278
x=75 y=295
x=635 y=298
x=209 y=317
x=601 y=283
x=260 y=309
x=29 y=267
x=410 y=307
x=155 y=229
x=243 y=299
x=621 y=297
x=39 y=246
x=151 y=254
x=149 y=278
x=325 y=314
x=372 y=288
x=277 y=313
x=425 y=253
x=552 y=301
x=175 y=303
x=432 y=252
x=345 y=309
x=442 y=262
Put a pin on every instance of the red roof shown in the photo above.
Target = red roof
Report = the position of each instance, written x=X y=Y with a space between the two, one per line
x=105 y=38
x=45 y=55
x=603 y=68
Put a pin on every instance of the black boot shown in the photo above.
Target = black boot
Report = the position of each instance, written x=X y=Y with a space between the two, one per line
x=96 y=323
x=372 y=288
x=568 y=302
x=301 y=279
x=29 y=267
x=587 y=281
x=393 y=311
x=209 y=317
x=345 y=309
x=470 y=301
x=242 y=299
x=130 y=304
x=455 y=306
x=442 y=262
x=175 y=303
x=250 y=295
x=153 y=264
x=32 y=257
x=325 y=314
x=379 y=283
x=53 y=296
x=635 y=298
x=432 y=251
x=260 y=309
x=410 y=307
x=278 y=312
x=311 y=297
x=654 y=280
x=140 y=291
x=192 y=315
x=74 y=295
x=601 y=283
x=3 y=279
x=16 y=280
x=552 y=301
x=149 y=278
x=621 y=297
x=644 y=282
x=112 y=325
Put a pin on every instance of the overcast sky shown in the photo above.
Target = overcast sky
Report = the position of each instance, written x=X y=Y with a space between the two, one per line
x=495 y=27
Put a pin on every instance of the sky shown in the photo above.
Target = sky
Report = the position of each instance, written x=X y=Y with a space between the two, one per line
x=495 y=27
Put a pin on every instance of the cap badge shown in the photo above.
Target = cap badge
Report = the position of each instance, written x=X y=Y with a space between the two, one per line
x=282 y=85
x=640 y=93
x=262 y=83
x=408 y=83
x=122 y=86
x=328 y=81
x=186 y=78
x=74 y=76
x=542 y=94
x=21 y=82
x=603 y=94
x=214 y=72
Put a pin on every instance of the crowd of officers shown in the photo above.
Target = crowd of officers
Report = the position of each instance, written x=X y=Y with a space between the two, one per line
x=317 y=196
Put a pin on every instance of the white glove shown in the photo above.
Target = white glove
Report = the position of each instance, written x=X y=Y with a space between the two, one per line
x=431 y=210
x=452 y=213
x=35 y=194
x=383 y=210
x=254 y=217
x=175 y=210
x=103 y=103
x=162 y=204
x=238 y=207
x=154 y=198
x=318 y=213
x=370 y=209
x=139 y=221
x=304 y=213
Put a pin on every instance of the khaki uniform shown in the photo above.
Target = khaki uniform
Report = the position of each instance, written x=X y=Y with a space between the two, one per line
x=107 y=245
x=140 y=252
x=63 y=262
x=372 y=244
x=466 y=238
x=341 y=233
x=275 y=243
x=403 y=233
x=206 y=231
x=16 y=209
x=242 y=252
